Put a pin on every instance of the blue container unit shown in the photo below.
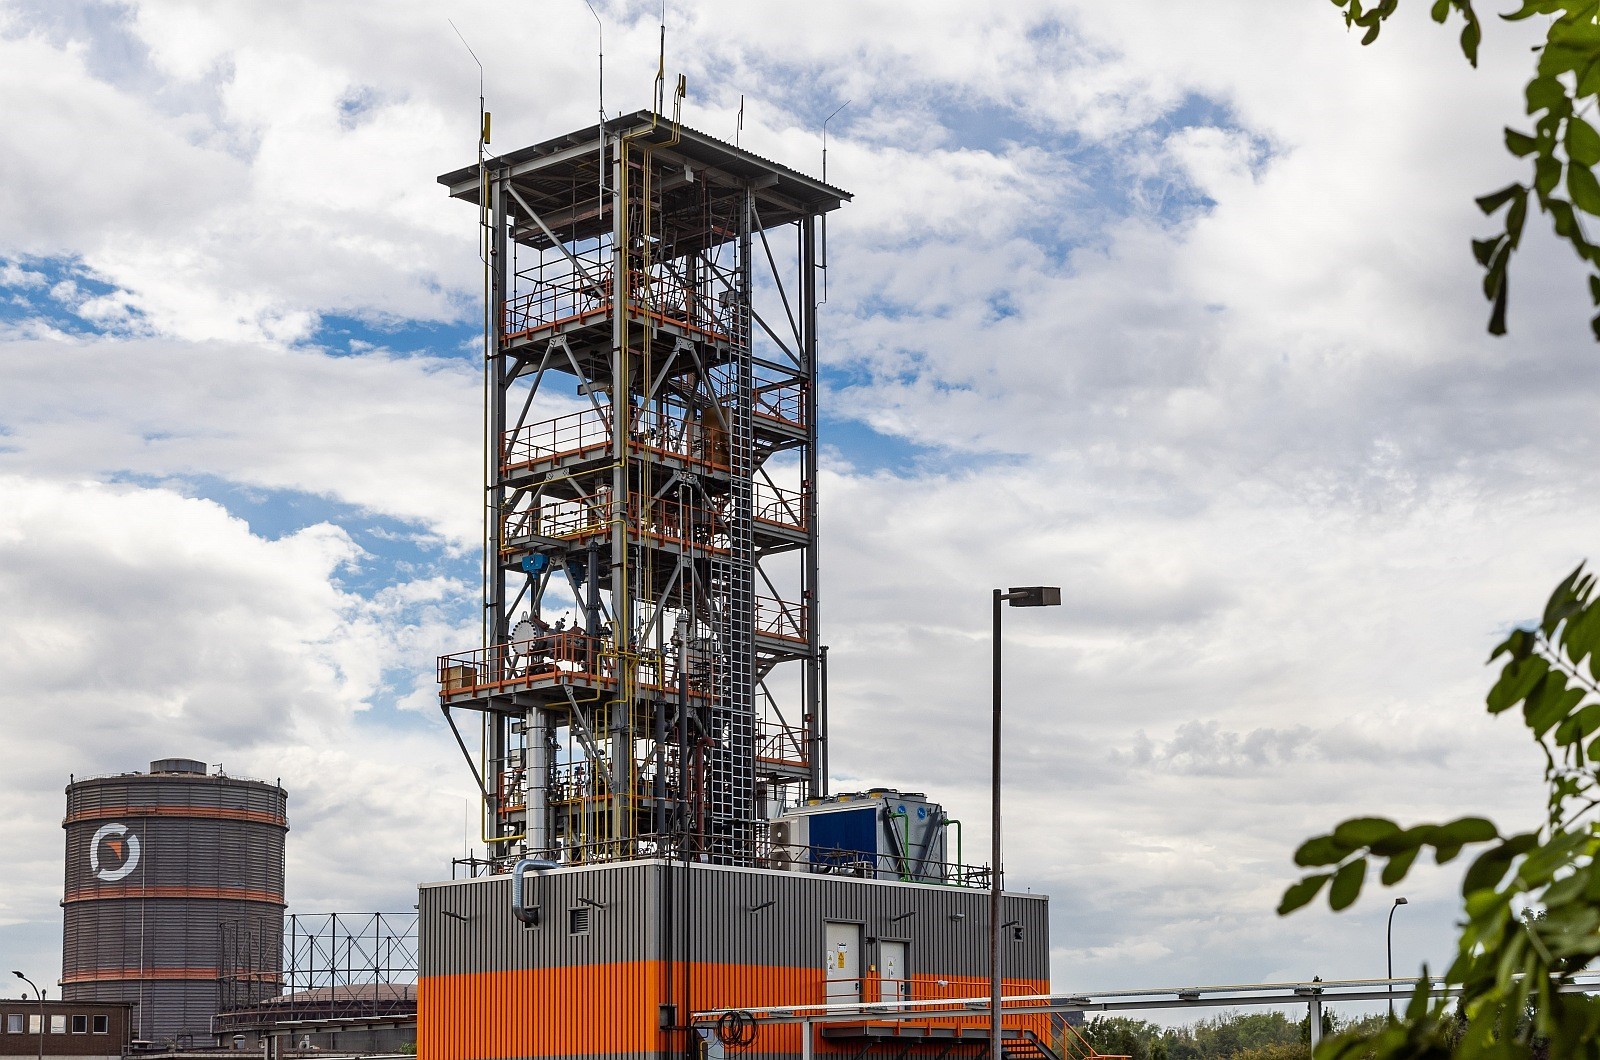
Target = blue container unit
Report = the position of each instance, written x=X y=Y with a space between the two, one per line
x=879 y=834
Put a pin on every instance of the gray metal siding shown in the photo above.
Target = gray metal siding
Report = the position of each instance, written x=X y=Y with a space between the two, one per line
x=715 y=921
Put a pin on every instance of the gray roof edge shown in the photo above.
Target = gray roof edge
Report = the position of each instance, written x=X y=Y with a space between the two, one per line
x=629 y=123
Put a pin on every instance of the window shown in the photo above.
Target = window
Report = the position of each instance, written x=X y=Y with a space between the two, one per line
x=80 y=1025
x=35 y=1023
x=102 y=1024
x=15 y=1022
x=578 y=921
x=58 y=1024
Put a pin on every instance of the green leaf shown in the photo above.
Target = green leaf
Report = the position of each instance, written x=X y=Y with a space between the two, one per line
x=1471 y=37
x=1581 y=634
x=1487 y=869
x=1594 y=289
x=1494 y=200
x=1584 y=189
x=1321 y=850
x=1515 y=217
x=1583 y=143
x=1516 y=681
x=1497 y=314
x=1469 y=830
x=1410 y=839
x=1562 y=602
x=1549 y=702
x=1519 y=643
x=1441 y=10
x=1364 y=831
x=1398 y=866
x=1483 y=250
x=1544 y=93
x=1520 y=144
x=1580 y=726
x=1347 y=883
x=1303 y=892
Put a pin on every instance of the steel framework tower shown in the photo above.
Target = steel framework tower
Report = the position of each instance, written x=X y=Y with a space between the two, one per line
x=660 y=286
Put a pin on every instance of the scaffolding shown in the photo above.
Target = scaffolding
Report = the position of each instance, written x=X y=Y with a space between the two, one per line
x=651 y=472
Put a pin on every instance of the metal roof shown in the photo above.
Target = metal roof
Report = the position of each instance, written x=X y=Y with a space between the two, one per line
x=645 y=127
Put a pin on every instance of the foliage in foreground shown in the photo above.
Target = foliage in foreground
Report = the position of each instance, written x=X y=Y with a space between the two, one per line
x=1531 y=900
x=1231 y=1036
x=1560 y=152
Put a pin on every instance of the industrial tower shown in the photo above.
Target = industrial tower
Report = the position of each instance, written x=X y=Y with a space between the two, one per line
x=650 y=404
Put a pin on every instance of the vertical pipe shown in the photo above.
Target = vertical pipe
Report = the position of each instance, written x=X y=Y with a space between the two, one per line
x=995 y=1050
x=536 y=762
x=822 y=791
x=621 y=415
x=1314 y=1016
x=494 y=619
x=813 y=599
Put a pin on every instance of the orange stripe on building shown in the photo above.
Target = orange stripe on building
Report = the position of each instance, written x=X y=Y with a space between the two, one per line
x=234 y=894
x=591 y=1010
x=221 y=813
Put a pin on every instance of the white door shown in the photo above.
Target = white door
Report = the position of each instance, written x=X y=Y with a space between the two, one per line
x=893 y=984
x=842 y=960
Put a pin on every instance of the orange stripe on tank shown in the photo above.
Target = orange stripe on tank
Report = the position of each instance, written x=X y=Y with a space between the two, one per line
x=123 y=890
x=223 y=813
x=112 y=975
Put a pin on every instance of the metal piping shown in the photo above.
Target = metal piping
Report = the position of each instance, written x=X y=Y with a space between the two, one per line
x=518 y=872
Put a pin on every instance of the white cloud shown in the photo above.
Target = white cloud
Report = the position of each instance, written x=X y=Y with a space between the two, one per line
x=1197 y=273
x=146 y=624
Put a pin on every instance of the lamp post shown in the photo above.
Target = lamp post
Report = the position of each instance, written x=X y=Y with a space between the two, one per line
x=40 y=995
x=1388 y=946
x=1030 y=596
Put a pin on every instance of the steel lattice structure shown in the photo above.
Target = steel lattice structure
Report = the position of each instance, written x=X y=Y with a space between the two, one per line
x=321 y=965
x=669 y=280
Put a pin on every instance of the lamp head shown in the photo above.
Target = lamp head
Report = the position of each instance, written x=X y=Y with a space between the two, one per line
x=1401 y=901
x=1034 y=596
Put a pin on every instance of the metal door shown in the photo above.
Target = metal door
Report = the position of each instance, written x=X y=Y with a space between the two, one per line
x=842 y=961
x=893 y=982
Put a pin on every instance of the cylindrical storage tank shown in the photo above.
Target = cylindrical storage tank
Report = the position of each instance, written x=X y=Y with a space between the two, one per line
x=160 y=867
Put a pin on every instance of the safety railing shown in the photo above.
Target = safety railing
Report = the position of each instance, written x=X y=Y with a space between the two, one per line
x=778 y=744
x=702 y=440
x=779 y=507
x=564 y=295
x=879 y=987
x=664 y=520
x=557 y=293
x=825 y=860
x=780 y=619
x=555 y=657
x=782 y=402
x=549 y=441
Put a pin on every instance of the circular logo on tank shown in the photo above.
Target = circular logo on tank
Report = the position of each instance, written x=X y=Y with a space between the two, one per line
x=113 y=853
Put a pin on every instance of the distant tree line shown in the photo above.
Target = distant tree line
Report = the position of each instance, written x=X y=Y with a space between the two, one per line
x=1231 y=1036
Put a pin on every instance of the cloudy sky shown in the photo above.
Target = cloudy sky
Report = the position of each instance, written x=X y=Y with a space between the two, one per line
x=1168 y=303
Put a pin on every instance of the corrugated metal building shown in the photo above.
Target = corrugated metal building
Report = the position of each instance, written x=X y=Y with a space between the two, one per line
x=156 y=864
x=622 y=954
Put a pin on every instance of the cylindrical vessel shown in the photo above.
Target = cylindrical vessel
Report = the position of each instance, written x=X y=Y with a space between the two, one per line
x=161 y=866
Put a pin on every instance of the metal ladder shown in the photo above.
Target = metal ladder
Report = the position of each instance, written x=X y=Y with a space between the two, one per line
x=732 y=762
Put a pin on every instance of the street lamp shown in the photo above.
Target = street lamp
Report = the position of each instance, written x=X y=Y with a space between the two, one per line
x=1030 y=596
x=1388 y=945
x=40 y=995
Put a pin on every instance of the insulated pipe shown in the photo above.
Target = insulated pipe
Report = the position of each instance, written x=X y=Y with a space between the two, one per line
x=518 y=871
